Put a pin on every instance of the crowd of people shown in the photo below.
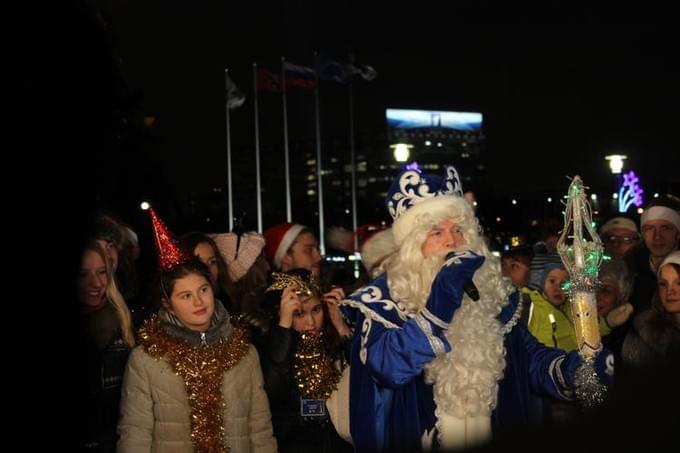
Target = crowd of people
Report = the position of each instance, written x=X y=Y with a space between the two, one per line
x=241 y=341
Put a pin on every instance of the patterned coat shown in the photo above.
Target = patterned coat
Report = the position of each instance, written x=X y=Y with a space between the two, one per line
x=391 y=406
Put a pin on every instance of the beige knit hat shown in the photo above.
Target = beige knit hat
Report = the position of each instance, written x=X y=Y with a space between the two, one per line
x=619 y=222
x=238 y=262
x=672 y=258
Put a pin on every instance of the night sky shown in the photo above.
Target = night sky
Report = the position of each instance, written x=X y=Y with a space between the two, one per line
x=560 y=86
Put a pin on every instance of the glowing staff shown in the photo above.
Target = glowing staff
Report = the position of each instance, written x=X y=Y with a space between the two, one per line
x=580 y=248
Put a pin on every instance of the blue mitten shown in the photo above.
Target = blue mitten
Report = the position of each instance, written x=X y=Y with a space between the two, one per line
x=447 y=288
x=569 y=366
x=604 y=366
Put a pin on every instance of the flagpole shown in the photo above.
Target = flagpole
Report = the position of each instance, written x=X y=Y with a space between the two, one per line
x=230 y=200
x=285 y=140
x=257 y=153
x=322 y=245
x=354 y=175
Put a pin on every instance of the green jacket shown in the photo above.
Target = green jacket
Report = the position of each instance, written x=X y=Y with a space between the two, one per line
x=561 y=334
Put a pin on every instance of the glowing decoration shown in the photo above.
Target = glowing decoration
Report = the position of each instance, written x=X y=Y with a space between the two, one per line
x=413 y=166
x=630 y=192
x=581 y=249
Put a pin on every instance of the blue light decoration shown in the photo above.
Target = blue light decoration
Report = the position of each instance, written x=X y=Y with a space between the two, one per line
x=413 y=166
x=630 y=192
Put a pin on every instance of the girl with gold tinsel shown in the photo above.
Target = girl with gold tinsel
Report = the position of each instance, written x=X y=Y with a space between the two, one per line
x=302 y=362
x=194 y=383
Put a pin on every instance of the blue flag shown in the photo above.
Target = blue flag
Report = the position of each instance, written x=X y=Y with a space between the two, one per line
x=334 y=71
x=343 y=73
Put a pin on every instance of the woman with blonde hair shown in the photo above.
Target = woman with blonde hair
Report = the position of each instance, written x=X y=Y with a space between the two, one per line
x=109 y=338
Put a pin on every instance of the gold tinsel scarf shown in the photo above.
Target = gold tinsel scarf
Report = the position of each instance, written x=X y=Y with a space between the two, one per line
x=316 y=376
x=202 y=369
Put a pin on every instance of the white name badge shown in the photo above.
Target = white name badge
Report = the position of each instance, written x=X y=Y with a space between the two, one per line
x=312 y=408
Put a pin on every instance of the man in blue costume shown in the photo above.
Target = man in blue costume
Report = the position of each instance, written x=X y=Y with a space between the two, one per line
x=431 y=368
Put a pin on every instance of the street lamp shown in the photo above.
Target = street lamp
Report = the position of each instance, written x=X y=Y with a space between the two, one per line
x=401 y=151
x=616 y=166
x=616 y=162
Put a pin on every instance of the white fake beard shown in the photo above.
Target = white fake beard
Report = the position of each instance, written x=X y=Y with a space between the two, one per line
x=466 y=379
x=414 y=295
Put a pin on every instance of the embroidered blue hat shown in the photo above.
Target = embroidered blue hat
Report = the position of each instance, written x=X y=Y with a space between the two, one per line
x=413 y=193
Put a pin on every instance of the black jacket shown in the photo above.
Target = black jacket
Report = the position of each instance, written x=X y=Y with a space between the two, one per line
x=294 y=433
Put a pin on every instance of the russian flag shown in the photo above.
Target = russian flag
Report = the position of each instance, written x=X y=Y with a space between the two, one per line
x=268 y=80
x=299 y=76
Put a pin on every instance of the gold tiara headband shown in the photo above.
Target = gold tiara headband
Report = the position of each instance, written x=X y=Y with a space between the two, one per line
x=300 y=286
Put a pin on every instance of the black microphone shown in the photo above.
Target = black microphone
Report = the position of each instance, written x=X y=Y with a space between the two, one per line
x=471 y=290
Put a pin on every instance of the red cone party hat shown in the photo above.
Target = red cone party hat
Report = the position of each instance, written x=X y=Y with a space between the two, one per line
x=170 y=254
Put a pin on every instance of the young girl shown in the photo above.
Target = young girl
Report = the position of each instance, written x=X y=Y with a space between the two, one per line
x=194 y=383
x=115 y=238
x=205 y=249
x=655 y=335
x=302 y=362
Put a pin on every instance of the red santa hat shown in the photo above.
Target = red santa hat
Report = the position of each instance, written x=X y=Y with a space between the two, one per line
x=170 y=254
x=366 y=231
x=340 y=238
x=279 y=239
x=376 y=248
